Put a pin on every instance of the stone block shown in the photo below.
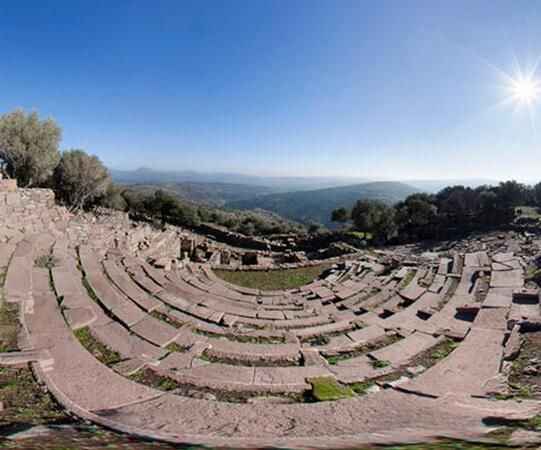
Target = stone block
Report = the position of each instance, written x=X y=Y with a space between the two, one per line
x=8 y=185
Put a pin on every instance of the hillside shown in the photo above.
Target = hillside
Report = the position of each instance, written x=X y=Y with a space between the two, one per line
x=317 y=205
x=212 y=194
x=276 y=184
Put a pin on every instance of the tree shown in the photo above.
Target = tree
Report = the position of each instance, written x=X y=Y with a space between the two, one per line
x=511 y=194
x=28 y=147
x=113 y=198
x=536 y=194
x=314 y=227
x=340 y=215
x=165 y=205
x=375 y=217
x=79 y=178
x=418 y=210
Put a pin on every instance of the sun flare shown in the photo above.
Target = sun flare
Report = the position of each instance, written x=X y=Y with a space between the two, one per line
x=525 y=90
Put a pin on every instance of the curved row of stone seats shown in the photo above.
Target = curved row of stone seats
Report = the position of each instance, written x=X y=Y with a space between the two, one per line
x=315 y=290
x=253 y=315
x=117 y=304
x=290 y=380
x=18 y=283
x=444 y=320
x=99 y=285
x=125 y=284
x=80 y=311
x=236 y=378
x=423 y=314
x=210 y=375
x=338 y=328
x=488 y=332
x=203 y=278
x=345 y=343
x=95 y=392
x=303 y=333
x=6 y=250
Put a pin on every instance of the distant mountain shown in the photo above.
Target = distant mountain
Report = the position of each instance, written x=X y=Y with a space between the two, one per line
x=434 y=186
x=317 y=205
x=278 y=184
x=212 y=194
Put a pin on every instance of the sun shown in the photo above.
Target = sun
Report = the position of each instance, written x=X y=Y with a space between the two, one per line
x=525 y=90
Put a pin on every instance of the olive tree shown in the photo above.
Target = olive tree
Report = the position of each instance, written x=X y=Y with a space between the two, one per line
x=28 y=147
x=80 y=178
x=375 y=217
x=340 y=215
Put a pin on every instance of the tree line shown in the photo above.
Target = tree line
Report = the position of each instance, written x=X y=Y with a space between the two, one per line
x=452 y=211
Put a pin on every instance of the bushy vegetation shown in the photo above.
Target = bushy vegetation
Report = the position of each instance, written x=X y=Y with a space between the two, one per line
x=169 y=208
x=452 y=211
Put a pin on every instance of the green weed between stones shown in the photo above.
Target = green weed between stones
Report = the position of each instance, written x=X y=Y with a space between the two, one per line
x=327 y=388
x=100 y=351
x=380 y=364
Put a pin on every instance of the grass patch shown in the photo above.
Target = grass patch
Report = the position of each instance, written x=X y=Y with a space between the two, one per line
x=242 y=337
x=100 y=351
x=165 y=318
x=521 y=391
x=360 y=235
x=328 y=389
x=334 y=359
x=444 y=349
x=534 y=423
x=273 y=279
x=148 y=377
x=174 y=347
x=522 y=382
x=362 y=387
x=528 y=212
x=319 y=340
x=90 y=291
x=407 y=279
x=363 y=349
x=533 y=274
x=24 y=400
x=9 y=326
x=380 y=364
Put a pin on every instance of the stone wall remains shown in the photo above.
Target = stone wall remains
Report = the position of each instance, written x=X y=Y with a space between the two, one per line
x=27 y=211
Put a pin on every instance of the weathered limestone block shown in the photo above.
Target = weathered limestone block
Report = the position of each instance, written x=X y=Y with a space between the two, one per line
x=8 y=185
x=13 y=199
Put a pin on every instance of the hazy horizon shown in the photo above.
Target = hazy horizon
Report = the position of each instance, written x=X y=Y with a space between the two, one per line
x=372 y=178
x=405 y=91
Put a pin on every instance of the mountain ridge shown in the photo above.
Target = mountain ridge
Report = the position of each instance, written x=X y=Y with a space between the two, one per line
x=317 y=205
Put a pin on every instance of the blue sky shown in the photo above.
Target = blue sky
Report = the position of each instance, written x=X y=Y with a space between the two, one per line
x=391 y=89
